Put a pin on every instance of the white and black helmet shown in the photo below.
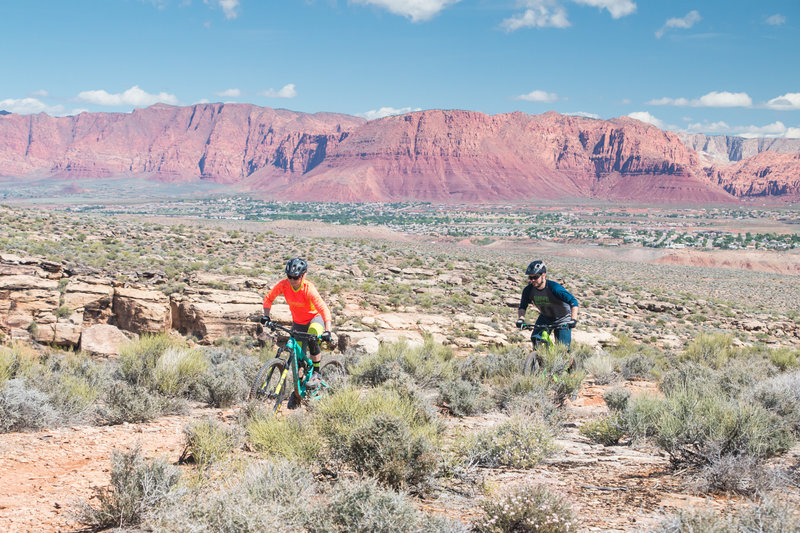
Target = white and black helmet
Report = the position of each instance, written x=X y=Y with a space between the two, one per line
x=296 y=267
x=536 y=268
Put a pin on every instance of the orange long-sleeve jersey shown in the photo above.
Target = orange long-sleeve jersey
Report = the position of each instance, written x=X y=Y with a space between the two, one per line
x=305 y=303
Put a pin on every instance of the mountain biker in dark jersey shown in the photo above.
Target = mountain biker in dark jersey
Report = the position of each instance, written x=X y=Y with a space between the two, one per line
x=309 y=311
x=557 y=307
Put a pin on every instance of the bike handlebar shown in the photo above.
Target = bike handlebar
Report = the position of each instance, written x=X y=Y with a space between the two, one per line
x=569 y=325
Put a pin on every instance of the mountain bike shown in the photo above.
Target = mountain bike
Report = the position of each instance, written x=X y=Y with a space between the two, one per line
x=273 y=382
x=547 y=338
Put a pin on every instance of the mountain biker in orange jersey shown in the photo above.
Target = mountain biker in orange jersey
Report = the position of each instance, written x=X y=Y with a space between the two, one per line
x=309 y=311
x=556 y=305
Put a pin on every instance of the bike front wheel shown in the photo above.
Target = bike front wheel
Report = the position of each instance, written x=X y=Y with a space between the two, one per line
x=267 y=385
x=531 y=365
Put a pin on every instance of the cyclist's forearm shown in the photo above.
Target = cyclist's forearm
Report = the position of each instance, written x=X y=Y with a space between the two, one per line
x=574 y=313
x=521 y=313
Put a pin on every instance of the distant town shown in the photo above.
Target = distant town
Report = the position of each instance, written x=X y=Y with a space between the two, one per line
x=768 y=228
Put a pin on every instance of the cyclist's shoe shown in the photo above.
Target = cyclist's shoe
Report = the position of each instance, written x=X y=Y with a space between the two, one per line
x=314 y=381
x=293 y=403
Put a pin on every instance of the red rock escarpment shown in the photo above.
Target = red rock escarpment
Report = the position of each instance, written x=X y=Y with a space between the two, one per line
x=433 y=155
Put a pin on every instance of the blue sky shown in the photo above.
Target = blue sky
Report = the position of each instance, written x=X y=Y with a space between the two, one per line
x=719 y=67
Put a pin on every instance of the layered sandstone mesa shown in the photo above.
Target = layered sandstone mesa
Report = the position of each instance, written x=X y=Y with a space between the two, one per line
x=223 y=143
x=433 y=155
x=467 y=156
x=766 y=174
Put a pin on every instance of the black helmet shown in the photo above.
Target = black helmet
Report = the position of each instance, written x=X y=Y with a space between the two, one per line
x=296 y=267
x=536 y=268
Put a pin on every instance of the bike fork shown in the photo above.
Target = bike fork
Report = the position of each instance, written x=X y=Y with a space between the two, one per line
x=281 y=383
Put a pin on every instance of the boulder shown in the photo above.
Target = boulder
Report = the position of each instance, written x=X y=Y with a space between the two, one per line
x=102 y=339
x=141 y=311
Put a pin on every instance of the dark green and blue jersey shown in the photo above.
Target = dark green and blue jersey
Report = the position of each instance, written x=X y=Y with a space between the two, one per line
x=554 y=302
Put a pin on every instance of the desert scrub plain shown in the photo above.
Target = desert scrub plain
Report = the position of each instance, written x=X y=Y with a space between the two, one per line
x=684 y=419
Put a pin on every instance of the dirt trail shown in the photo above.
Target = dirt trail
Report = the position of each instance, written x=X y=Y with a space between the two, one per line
x=43 y=475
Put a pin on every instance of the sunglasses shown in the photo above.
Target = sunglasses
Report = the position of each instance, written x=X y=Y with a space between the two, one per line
x=534 y=278
x=293 y=277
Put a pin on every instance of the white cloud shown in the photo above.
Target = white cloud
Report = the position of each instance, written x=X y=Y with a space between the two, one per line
x=773 y=130
x=230 y=93
x=776 y=20
x=552 y=14
x=712 y=99
x=582 y=114
x=538 y=96
x=691 y=18
x=539 y=14
x=669 y=101
x=706 y=127
x=788 y=101
x=416 y=10
x=617 y=8
x=386 y=112
x=29 y=106
x=724 y=99
x=229 y=7
x=41 y=93
x=776 y=129
x=133 y=96
x=644 y=116
x=287 y=91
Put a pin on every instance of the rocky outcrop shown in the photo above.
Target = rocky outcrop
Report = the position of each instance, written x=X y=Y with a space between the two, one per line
x=435 y=155
x=767 y=174
x=728 y=149
x=210 y=314
x=39 y=301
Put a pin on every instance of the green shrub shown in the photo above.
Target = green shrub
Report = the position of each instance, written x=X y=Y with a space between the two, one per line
x=638 y=365
x=519 y=443
x=18 y=360
x=336 y=416
x=208 y=441
x=225 y=384
x=617 y=398
x=137 y=360
x=428 y=364
x=689 y=375
x=363 y=507
x=785 y=358
x=709 y=349
x=766 y=516
x=695 y=426
x=464 y=398
x=385 y=449
x=290 y=437
x=641 y=416
x=526 y=509
x=736 y=475
x=265 y=497
x=607 y=430
x=602 y=368
x=504 y=363
x=24 y=408
x=781 y=395
x=179 y=369
x=137 y=485
x=130 y=403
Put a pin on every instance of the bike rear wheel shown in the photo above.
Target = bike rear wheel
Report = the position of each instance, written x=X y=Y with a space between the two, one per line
x=333 y=372
x=265 y=386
